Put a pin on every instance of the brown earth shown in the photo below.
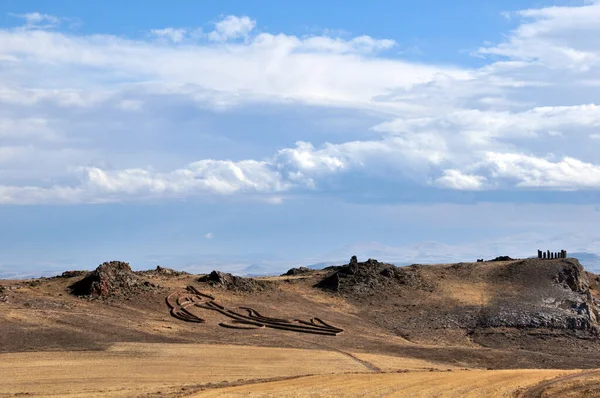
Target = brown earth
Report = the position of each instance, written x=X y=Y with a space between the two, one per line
x=521 y=314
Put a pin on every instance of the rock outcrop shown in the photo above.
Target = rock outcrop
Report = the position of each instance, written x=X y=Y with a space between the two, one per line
x=545 y=294
x=110 y=279
x=503 y=258
x=297 y=271
x=71 y=274
x=162 y=271
x=371 y=276
x=228 y=281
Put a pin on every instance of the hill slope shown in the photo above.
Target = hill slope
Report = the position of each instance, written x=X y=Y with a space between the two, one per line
x=513 y=314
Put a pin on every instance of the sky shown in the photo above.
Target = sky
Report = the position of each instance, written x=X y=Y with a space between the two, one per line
x=263 y=135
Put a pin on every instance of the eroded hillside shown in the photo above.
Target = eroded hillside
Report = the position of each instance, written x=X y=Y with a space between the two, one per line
x=505 y=314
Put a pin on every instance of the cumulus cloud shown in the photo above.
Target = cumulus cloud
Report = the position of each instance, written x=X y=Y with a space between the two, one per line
x=232 y=27
x=528 y=119
x=455 y=179
x=558 y=37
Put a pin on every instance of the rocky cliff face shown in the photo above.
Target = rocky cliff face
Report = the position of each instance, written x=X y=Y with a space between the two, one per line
x=549 y=294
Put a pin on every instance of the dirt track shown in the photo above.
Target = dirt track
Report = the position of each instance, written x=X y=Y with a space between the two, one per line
x=589 y=383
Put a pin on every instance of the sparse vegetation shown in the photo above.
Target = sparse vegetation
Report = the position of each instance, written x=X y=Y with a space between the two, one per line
x=478 y=315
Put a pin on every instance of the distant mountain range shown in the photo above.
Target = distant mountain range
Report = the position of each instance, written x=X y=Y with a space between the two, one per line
x=590 y=261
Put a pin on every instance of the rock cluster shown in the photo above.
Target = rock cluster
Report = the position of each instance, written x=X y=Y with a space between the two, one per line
x=228 y=281
x=114 y=278
x=503 y=258
x=71 y=274
x=371 y=275
x=297 y=271
x=162 y=271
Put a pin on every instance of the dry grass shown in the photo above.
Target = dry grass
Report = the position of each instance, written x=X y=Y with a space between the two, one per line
x=169 y=370
x=392 y=364
x=476 y=384
x=136 y=369
x=466 y=293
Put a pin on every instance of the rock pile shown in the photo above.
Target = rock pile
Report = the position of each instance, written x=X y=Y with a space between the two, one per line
x=297 y=271
x=162 y=271
x=71 y=274
x=228 y=281
x=371 y=275
x=114 y=278
x=503 y=258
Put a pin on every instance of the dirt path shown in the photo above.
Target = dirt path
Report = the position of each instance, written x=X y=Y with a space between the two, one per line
x=368 y=365
x=538 y=390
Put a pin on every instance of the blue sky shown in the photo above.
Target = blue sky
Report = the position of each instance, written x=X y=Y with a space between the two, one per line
x=222 y=134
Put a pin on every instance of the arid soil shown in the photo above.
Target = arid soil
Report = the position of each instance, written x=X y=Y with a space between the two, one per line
x=111 y=332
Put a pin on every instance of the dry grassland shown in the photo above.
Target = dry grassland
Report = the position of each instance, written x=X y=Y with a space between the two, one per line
x=137 y=369
x=456 y=384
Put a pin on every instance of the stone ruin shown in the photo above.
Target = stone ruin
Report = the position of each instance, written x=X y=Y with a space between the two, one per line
x=548 y=255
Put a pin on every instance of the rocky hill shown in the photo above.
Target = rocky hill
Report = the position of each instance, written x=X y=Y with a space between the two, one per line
x=114 y=278
x=530 y=313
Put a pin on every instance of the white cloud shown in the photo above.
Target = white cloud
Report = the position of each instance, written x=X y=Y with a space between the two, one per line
x=530 y=171
x=562 y=37
x=171 y=34
x=209 y=235
x=232 y=27
x=360 y=44
x=36 y=20
x=455 y=179
x=495 y=127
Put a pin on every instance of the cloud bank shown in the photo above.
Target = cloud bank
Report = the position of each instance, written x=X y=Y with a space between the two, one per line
x=77 y=110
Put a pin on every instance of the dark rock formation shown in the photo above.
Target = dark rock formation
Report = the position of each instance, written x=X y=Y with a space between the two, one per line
x=111 y=279
x=554 y=295
x=228 y=281
x=72 y=274
x=370 y=276
x=503 y=258
x=162 y=271
x=297 y=271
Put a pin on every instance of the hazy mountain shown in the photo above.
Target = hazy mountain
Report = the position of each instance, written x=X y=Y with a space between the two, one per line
x=590 y=261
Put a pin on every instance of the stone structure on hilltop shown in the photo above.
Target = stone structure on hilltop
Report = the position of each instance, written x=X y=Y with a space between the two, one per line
x=548 y=255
